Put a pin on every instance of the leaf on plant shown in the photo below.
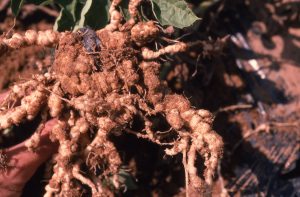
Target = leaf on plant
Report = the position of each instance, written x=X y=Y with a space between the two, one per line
x=70 y=6
x=69 y=15
x=126 y=179
x=16 y=6
x=124 y=9
x=39 y=2
x=94 y=14
x=174 y=12
x=64 y=21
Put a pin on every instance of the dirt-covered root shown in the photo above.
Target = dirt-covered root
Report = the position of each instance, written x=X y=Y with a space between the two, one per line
x=66 y=171
x=29 y=107
x=102 y=152
x=31 y=37
x=33 y=142
x=144 y=32
x=100 y=94
x=133 y=6
x=170 y=49
x=204 y=140
x=99 y=155
x=198 y=139
x=24 y=101
x=55 y=100
x=156 y=89
x=208 y=144
x=115 y=16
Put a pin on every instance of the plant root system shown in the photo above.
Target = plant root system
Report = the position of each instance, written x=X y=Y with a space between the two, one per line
x=97 y=93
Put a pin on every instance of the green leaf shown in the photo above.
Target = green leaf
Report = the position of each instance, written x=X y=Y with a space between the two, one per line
x=124 y=9
x=64 y=3
x=64 y=21
x=72 y=6
x=37 y=2
x=94 y=14
x=174 y=12
x=69 y=14
x=47 y=2
x=16 y=6
x=126 y=179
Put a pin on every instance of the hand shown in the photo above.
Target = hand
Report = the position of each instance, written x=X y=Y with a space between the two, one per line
x=23 y=163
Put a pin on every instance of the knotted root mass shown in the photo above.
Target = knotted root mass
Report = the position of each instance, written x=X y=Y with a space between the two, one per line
x=95 y=88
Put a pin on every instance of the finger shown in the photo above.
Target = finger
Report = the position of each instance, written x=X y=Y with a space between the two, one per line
x=21 y=158
x=22 y=163
x=46 y=148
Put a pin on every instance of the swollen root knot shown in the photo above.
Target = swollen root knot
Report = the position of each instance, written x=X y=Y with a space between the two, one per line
x=115 y=16
x=144 y=32
x=171 y=49
x=31 y=37
x=133 y=11
x=133 y=7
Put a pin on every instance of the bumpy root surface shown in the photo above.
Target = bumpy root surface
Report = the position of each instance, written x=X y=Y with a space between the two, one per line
x=31 y=37
x=97 y=95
